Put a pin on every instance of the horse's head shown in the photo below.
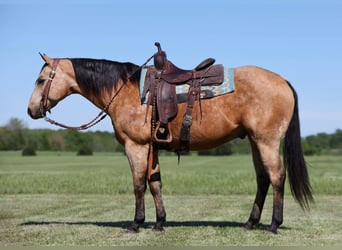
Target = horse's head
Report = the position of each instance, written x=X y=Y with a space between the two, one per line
x=56 y=80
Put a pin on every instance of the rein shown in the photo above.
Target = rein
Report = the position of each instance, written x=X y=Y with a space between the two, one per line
x=93 y=122
x=90 y=124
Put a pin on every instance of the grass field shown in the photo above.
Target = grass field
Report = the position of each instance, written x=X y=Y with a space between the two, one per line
x=66 y=200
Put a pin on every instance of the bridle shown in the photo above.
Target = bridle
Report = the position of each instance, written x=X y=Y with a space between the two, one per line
x=43 y=102
x=102 y=114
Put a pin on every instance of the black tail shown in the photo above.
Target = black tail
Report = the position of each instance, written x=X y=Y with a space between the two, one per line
x=294 y=160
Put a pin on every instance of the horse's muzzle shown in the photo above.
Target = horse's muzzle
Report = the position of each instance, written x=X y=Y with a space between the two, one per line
x=33 y=115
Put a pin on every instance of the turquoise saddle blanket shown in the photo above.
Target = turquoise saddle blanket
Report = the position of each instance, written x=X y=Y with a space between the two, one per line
x=226 y=87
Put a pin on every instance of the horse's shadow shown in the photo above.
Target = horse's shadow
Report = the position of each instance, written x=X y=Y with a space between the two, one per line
x=127 y=224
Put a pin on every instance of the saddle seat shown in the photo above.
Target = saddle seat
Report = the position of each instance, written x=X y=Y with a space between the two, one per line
x=174 y=75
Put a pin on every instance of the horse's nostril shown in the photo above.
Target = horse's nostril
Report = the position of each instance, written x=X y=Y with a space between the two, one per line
x=29 y=112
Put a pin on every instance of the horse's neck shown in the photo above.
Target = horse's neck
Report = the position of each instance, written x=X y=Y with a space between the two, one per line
x=128 y=115
x=126 y=98
x=121 y=95
x=122 y=99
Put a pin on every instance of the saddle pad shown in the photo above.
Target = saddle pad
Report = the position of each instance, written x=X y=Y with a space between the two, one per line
x=226 y=87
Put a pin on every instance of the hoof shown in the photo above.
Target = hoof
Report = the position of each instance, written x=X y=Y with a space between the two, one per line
x=272 y=230
x=158 y=228
x=248 y=226
x=133 y=229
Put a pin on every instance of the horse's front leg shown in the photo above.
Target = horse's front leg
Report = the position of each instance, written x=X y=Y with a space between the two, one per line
x=155 y=188
x=137 y=157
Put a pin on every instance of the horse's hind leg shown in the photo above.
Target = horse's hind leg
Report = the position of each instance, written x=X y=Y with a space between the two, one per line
x=277 y=177
x=263 y=183
x=269 y=169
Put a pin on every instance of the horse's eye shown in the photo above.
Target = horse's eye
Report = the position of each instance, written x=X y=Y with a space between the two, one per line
x=40 y=81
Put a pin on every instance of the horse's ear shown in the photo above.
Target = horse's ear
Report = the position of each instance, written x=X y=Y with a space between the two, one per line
x=45 y=58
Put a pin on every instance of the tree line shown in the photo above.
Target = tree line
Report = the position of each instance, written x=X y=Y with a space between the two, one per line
x=16 y=136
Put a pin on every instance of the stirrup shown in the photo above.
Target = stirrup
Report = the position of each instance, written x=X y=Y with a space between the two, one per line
x=169 y=134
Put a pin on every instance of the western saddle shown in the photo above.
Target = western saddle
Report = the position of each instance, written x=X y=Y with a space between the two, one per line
x=160 y=83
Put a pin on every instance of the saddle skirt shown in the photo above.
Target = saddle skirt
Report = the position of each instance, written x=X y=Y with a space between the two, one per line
x=207 y=91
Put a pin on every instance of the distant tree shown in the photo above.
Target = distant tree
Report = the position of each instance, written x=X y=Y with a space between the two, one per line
x=75 y=139
x=320 y=140
x=85 y=150
x=5 y=137
x=225 y=149
x=119 y=148
x=44 y=142
x=56 y=141
x=103 y=141
x=16 y=124
x=240 y=146
x=336 y=139
x=28 y=151
x=14 y=135
x=310 y=149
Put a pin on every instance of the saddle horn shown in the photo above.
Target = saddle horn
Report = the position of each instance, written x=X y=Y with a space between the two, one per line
x=159 y=57
x=157 y=44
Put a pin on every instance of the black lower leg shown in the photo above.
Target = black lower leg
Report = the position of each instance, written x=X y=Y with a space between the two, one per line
x=155 y=188
x=277 y=216
x=138 y=221
x=159 y=226
x=254 y=218
x=139 y=217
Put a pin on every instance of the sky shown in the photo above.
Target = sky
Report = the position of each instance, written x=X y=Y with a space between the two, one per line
x=298 y=39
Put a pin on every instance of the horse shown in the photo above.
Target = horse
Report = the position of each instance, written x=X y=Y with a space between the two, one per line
x=263 y=108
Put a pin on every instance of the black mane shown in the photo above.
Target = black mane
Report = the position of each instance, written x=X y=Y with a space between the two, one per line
x=96 y=76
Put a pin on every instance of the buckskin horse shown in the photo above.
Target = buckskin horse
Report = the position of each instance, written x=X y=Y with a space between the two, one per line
x=263 y=107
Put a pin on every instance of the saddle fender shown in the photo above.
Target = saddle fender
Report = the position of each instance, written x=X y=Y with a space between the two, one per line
x=166 y=102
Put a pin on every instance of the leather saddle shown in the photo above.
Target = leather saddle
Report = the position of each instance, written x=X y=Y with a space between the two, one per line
x=161 y=81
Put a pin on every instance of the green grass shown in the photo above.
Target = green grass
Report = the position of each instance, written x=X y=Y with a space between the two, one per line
x=63 y=199
x=106 y=173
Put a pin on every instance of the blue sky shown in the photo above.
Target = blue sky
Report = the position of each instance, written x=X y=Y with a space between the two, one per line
x=301 y=40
